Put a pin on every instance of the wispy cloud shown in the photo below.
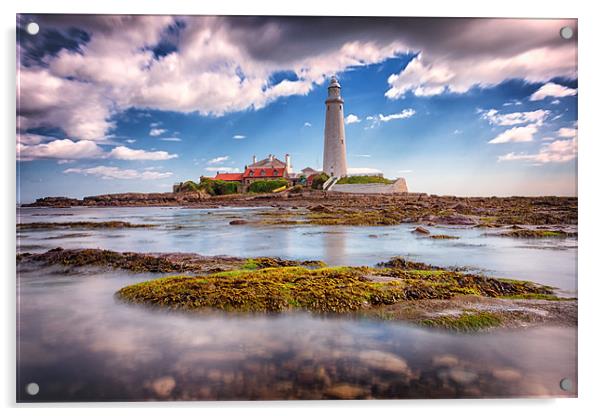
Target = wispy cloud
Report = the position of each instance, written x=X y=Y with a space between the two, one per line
x=222 y=169
x=494 y=117
x=407 y=113
x=516 y=134
x=239 y=136
x=112 y=172
x=307 y=124
x=171 y=139
x=557 y=151
x=553 y=151
x=125 y=153
x=382 y=118
x=217 y=160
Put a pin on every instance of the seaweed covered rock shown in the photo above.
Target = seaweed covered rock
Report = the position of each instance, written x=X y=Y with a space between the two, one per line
x=323 y=290
x=157 y=262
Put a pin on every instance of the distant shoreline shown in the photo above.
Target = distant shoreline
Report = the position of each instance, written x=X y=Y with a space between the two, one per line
x=332 y=208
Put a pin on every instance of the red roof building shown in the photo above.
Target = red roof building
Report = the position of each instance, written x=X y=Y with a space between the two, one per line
x=229 y=177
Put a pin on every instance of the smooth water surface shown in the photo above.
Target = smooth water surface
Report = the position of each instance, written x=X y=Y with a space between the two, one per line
x=80 y=343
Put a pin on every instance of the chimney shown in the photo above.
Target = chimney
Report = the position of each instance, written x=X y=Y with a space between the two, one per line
x=289 y=167
x=271 y=156
x=254 y=159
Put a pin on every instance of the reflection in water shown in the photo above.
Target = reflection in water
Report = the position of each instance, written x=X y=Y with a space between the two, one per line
x=206 y=231
x=93 y=347
x=78 y=343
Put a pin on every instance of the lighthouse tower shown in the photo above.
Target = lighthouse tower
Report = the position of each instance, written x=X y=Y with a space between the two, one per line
x=335 y=154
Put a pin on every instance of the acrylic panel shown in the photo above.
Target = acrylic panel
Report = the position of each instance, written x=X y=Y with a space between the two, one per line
x=290 y=208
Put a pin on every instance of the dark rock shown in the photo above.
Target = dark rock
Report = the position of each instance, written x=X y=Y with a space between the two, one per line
x=421 y=230
x=238 y=222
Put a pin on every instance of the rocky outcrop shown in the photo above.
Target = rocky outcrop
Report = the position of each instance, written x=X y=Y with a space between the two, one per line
x=133 y=199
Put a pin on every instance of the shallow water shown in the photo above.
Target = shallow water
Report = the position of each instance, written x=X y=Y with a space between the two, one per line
x=551 y=261
x=79 y=343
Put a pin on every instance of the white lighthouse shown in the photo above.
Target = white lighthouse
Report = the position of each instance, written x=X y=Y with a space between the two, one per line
x=335 y=153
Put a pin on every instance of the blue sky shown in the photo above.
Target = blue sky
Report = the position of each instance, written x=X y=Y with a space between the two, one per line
x=104 y=109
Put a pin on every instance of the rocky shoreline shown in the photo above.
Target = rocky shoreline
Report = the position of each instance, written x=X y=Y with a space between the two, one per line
x=331 y=208
x=401 y=290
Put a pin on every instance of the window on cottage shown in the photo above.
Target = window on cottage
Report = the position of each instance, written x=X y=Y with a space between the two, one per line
x=262 y=173
x=251 y=173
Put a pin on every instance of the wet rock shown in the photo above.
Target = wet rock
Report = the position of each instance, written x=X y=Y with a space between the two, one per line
x=345 y=392
x=239 y=222
x=320 y=208
x=163 y=386
x=462 y=376
x=506 y=374
x=456 y=220
x=372 y=236
x=421 y=230
x=384 y=361
x=445 y=360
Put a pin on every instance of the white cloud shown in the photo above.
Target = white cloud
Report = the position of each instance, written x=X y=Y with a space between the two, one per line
x=171 y=139
x=156 y=132
x=222 y=169
x=363 y=171
x=130 y=141
x=557 y=151
x=567 y=132
x=458 y=71
x=352 y=118
x=217 y=160
x=376 y=120
x=223 y=65
x=552 y=90
x=408 y=112
x=307 y=124
x=112 y=172
x=59 y=149
x=362 y=155
x=239 y=136
x=494 y=117
x=125 y=153
x=516 y=134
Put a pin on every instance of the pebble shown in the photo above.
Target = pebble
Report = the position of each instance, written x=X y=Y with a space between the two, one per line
x=506 y=374
x=462 y=376
x=163 y=386
x=445 y=360
x=345 y=392
x=381 y=360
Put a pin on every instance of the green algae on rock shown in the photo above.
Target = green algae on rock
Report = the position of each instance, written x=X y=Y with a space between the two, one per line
x=529 y=233
x=157 y=262
x=323 y=290
x=468 y=321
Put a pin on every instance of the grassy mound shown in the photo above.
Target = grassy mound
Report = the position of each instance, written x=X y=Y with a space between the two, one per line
x=324 y=290
x=351 y=180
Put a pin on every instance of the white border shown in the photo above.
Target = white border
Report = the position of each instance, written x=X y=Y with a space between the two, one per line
x=590 y=205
